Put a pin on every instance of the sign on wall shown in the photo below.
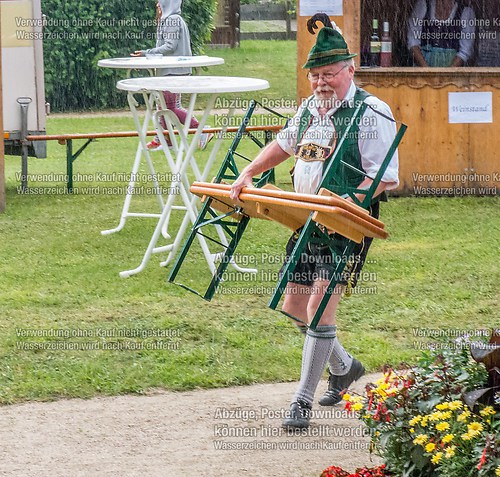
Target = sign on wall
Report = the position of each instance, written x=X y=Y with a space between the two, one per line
x=467 y=108
x=333 y=8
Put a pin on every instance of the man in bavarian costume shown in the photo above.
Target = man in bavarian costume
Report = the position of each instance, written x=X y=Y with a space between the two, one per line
x=311 y=137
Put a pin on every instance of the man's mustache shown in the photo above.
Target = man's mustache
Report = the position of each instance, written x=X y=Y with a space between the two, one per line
x=325 y=102
x=324 y=89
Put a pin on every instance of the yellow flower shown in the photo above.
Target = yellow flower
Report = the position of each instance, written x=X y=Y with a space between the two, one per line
x=450 y=452
x=467 y=436
x=436 y=457
x=497 y=471
x=448 y=438
x=442 y=426
x=443 y=406
x=346 y=397
x=454 y=405
x=430 y=447
x=435 y=416
x=487 y=411
x=357 y=407
x=463 y=416
x=475 y=427
x=440 y=416
x=412 y=430
x=424 y=420
x=421 y=439
x=415 y=420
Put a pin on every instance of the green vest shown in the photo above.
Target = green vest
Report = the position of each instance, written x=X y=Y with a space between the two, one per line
x=342 y=178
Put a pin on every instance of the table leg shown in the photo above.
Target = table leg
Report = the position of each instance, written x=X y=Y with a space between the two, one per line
x=141 y=147
x=172 y=124
x=189 y=159
x=184 y=157
x=202 y=176
x=182 y=162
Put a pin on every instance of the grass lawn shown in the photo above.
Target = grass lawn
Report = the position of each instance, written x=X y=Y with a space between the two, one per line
x=70 y=326
x=273 y=60
x=60 y=289
x=262 y=26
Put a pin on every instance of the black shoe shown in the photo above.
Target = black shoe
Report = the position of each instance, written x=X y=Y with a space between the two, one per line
x=298 y=416
x=337 y=385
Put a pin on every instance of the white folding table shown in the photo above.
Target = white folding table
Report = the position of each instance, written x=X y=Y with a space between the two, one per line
x=153 y=62
x=182 y=155
x=150 y=63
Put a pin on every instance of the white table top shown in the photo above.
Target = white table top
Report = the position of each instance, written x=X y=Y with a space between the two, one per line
x=160 y=61
x=193 y=84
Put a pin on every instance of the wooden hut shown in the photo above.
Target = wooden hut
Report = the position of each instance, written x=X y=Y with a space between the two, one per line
x=446 y=151
x=227 y=24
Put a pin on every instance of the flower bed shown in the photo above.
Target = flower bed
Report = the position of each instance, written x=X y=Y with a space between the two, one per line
x=335 y=471
x=434 y=420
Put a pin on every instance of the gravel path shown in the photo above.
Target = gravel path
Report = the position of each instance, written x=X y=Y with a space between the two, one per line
x=218 y=432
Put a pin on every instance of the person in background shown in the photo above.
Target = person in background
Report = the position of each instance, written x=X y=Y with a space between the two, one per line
x=441 y=33
x=172 y=38
x=488 y=53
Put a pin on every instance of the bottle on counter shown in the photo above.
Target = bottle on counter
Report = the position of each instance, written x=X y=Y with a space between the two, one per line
x=365 y=53
x=375 y=45
x=386 y=48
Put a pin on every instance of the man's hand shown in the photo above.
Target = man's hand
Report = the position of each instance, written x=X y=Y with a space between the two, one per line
x=366 y=185
x=244 y=180
x=269 y=157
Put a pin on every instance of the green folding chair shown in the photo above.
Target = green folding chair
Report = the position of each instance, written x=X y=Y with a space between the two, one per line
x=310 y=231
x=208 y=216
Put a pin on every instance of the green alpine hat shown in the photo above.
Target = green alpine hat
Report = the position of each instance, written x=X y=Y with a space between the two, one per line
x=330 y=48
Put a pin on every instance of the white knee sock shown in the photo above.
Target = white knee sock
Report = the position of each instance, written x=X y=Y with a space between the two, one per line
x=340 y=360
x=318 y=346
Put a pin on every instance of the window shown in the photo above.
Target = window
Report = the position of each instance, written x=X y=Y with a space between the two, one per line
x=476 y=21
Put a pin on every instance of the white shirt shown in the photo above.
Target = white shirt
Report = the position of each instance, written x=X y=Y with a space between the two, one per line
x=467 y=21
x=376 y=135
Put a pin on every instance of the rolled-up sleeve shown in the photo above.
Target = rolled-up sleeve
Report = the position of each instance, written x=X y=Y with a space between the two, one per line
x=466 y=48
x=415 y=23
x=376 y=135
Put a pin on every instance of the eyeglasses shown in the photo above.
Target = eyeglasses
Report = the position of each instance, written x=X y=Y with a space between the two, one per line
x=314 y=77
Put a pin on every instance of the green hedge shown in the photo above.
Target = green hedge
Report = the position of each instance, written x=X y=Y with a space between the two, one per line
x=80 y=33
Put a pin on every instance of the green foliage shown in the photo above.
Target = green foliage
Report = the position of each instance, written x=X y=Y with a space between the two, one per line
x=419 y=423
x=199 y=15
x=78 y=34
